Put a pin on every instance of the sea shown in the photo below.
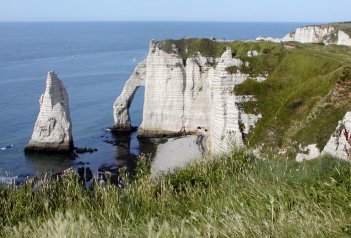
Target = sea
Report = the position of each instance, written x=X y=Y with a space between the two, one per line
x=94 y=60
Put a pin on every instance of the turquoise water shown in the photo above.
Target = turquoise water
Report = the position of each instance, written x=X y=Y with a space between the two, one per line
x=93 y=60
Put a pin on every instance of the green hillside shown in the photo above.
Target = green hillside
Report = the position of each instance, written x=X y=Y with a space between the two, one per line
x=343 y=26
x=307 y=92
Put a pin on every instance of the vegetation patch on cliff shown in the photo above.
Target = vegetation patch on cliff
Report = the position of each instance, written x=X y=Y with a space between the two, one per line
x=303 y=98
x=232 y=196
x=211 y=48
x=264 y=64
x=343 y=26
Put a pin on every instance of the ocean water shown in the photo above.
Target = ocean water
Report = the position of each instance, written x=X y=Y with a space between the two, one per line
x=93 y=60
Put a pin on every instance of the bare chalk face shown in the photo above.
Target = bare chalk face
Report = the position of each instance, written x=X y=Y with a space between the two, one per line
x=53 y=128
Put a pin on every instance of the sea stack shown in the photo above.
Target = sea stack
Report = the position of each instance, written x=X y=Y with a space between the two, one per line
x=53 y=128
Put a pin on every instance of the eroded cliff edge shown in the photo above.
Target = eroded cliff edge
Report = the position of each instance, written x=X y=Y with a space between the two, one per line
x=275 y=98
x=187 y=95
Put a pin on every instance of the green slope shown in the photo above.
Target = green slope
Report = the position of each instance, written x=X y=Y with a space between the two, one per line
x=303 y=99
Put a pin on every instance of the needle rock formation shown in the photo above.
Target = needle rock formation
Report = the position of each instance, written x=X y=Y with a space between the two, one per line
x=53 y=128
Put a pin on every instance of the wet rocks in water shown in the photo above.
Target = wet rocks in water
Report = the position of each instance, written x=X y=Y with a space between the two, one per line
x=85 y=173
x=6 y=147
x=82 y=150
x=109 y=142
x=81 y=163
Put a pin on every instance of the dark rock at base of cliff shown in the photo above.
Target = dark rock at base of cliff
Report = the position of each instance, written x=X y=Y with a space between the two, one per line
x=67 y=152
x=123 y=130
x=49 y=147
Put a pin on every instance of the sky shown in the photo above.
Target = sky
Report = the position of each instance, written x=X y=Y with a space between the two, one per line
x=176 y=10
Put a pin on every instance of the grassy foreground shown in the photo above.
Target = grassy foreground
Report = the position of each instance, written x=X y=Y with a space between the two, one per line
x=232 y=196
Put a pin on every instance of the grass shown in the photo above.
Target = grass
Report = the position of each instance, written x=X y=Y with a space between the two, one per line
x=305 y=95
x=343 y=26
x=209 y=48
x=232 y=196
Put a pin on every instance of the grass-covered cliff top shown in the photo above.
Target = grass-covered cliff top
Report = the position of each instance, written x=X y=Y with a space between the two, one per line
x=307 y=92
x=212 y=48
x=232 y=196
x=343 y=26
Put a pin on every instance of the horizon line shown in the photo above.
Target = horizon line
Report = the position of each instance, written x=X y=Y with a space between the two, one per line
x=156 y=21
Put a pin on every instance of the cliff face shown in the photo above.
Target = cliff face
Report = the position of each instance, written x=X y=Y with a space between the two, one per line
x=327 y=34
x=53 y=128
x=311 y=34
x=344 y=39
x=188 y=96
x=276 y=98
x=339 y=144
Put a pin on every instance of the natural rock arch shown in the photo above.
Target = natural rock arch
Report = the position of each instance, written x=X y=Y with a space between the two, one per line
x=191 y=98
x=123 y=102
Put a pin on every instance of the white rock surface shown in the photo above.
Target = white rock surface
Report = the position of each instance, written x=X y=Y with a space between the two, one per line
x=344 y=39
x=181 y=97
x=311 y=34
x=123 y=102
x=338 y=145
x=225 y=117
x=252 y=53
x=309 y=152
x=317 y=34
x=53 y=128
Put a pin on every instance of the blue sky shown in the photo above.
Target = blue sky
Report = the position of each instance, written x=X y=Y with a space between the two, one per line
x=176 y=10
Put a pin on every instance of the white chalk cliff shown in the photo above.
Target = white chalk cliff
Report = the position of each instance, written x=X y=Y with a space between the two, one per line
x=339 y=144
x=122 y=103
x=53 y=128
x=310 y=34
x=318 y=34
x=188 y=97
x=344 y=39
